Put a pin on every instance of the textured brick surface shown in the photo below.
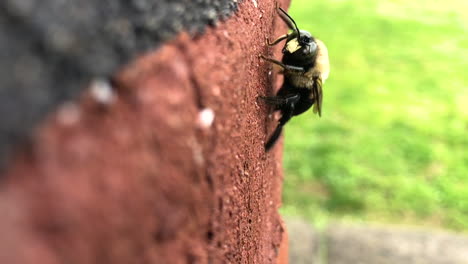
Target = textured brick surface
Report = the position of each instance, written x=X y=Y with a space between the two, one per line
x=142 y=175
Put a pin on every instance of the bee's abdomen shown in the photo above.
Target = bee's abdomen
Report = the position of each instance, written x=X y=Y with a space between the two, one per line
x=299 y=80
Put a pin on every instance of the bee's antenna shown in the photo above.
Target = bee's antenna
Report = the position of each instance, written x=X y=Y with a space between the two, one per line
x=289 y=21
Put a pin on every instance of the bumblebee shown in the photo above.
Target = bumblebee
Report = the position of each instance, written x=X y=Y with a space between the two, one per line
x=305 y=68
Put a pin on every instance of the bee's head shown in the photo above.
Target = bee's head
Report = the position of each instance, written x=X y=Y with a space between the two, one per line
x=302 y=48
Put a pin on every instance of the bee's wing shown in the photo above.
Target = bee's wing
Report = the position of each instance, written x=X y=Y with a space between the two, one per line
x=317 y=92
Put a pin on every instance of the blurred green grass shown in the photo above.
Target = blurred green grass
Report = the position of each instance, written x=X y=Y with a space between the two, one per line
x=392 y=145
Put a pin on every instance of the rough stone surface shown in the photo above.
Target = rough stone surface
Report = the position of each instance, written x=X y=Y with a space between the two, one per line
x=143 y=173
x=384 y=245
x=51 y=49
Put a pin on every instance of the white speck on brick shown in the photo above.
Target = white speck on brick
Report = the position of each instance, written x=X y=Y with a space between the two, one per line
x=206 y=118
x=255 y=3
x=101 y=91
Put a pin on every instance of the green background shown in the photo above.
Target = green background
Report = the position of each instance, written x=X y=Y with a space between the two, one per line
x=392 y=144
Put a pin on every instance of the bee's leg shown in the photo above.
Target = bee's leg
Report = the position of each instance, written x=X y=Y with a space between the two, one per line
x=273 y=138
x=287 y=112
x=278 y=40
x=284 y=66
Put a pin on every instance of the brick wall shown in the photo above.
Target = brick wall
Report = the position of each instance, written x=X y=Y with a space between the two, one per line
x=158 y=158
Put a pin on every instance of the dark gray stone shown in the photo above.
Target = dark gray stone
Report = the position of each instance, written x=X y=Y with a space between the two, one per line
x=50 y=49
